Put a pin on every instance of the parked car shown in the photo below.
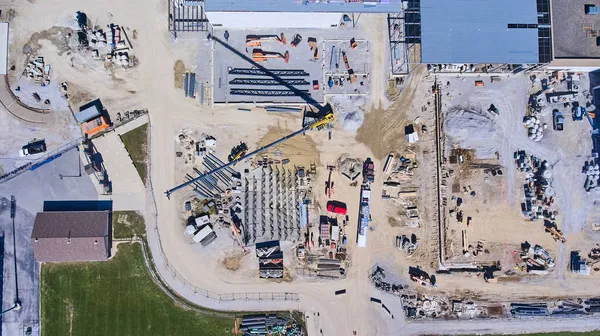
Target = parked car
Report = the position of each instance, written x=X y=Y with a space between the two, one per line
x=336 y=207
x=34 y=147
x=188 y=206
x=558 y=120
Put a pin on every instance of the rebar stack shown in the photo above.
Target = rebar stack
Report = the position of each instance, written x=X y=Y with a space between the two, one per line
x=284 y=204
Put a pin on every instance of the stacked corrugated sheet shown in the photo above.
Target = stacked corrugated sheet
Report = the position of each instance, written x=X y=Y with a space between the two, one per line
x=270 y=259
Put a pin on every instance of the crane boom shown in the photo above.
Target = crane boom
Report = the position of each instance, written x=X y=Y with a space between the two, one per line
x=317 y=124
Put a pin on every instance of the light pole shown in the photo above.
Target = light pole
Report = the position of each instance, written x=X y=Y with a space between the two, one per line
x=13 y=211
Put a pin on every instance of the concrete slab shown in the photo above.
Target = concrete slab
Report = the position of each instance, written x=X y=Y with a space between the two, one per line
x=127 y=201
x=121 y=171
x=359 y=60
x=32 y=188
x=301 y=58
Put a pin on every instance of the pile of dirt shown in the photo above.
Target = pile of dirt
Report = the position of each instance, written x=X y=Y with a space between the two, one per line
x=59 y=36
x=383 y=129
x=178 y=71
x=472 y=130
x=349 y=166
x=233 y=262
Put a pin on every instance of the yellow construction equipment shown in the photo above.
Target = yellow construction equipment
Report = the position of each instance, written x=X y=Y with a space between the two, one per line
x=321 y=123
x=260 y=55
x=238 y=151
x=556 y=234
x=256 y=40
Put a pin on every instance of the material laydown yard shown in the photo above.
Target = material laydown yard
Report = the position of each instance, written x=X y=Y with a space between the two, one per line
x=117 y=297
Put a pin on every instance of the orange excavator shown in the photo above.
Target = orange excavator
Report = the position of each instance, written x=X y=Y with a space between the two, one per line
x=260 y=55
x=256 y=40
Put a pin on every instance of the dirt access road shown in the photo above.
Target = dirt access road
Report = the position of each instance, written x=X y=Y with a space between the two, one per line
x=169 y=112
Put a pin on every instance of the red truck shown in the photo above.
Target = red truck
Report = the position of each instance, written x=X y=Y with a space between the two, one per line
x=337 y=207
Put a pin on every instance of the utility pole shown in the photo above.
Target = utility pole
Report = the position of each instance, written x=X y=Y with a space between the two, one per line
x=13 y=211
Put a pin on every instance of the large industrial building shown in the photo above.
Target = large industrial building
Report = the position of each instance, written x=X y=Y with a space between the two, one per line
x=448 y=34
x=485 y=31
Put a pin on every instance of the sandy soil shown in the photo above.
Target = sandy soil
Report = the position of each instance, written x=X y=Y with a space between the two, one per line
x=300 y=150
x=178 y=72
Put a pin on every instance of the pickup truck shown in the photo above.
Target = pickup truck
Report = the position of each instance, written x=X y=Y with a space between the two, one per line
x=33 y=147
x=369 y=170
x=558 y=120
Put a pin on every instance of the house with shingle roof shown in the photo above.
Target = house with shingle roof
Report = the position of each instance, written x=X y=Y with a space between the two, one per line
x=63 y=236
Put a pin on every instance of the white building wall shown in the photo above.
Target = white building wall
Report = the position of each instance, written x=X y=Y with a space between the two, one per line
x=248 y=20
x=3 y=48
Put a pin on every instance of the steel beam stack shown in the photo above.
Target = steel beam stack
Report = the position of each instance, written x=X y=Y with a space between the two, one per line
x=246 y=220
x=284 y=213
x=267 y=81
x=276 y=203
x=297 y=201
x=271 y=213
x=254 y=209
x=262 y=202
x=268 y=93
x=269 y=72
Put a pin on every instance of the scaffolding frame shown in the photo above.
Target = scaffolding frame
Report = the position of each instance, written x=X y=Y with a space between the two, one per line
x=187 y=16
x=404 y=30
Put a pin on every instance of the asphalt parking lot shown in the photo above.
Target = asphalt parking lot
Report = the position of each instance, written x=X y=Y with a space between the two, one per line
x=57 y=180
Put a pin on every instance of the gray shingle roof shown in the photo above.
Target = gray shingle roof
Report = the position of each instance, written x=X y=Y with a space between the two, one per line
x=331 y=6
x=476 y=31
x=71 y=236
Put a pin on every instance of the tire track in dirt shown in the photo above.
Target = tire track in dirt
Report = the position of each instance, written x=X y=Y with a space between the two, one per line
x=383 y=130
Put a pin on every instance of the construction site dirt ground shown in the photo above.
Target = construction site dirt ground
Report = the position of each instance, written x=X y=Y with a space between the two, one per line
x=152 y=85
x=495 y=210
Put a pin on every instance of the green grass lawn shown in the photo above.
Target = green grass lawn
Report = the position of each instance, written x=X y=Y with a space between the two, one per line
x=116 y=297
x=126 y=224
x=136 y=143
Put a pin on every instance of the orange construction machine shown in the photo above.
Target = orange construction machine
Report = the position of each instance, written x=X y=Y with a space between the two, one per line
x=350 y=71
x=256 y=40
x=260 y=55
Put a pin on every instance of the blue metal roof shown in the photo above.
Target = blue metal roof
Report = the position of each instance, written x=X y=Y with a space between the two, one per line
x=327 y=6
x=476 y=31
